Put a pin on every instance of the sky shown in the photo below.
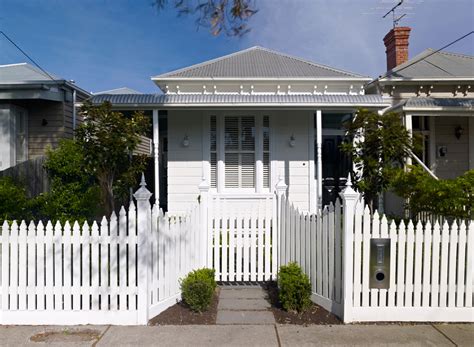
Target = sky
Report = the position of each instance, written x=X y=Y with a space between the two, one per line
x=107 y=44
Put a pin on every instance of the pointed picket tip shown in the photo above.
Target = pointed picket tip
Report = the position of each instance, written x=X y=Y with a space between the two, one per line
x=131 y=206
x=67 y=225
x=384 y=219
x=393 y=225
x=95 y=225
x=23 y=224
x=113 y=215
x=31 y=225
x=85 y=225
x=410 y=225
x=122 y=211
x=57 y=225
x=419 y=225
x=445 y=224
x=5 y=225
x=376 y=215
x=49 y=225
x=428 y=225
x=160 y=213
x=76 y=226
x=401 y=225
x=103 y=220
x=367 y=210
x=40 y=224
x=454 y=226
x=437 y=226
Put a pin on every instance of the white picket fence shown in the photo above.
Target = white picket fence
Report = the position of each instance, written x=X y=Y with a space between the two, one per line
x=242 y=240
x=431 y=266
x=122 y=271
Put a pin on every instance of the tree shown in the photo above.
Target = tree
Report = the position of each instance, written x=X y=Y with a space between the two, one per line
x=228 y=16
x=73 y=189
x=378 y=145
x=107 y=139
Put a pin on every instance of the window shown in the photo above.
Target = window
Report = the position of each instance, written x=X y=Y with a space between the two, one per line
x=239 y=142
x=239 y=146
x=421 y=130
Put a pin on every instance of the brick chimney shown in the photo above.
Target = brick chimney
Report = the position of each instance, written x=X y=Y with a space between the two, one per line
x=396 y=43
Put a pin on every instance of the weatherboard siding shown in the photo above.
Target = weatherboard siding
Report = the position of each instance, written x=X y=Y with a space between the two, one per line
x=456 y=161
x=184 y=163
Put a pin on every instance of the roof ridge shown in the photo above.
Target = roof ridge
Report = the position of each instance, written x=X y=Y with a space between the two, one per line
x=456 y=54
x=207 y=62
x=253 y=48
x=327 y=67
x=14 y=64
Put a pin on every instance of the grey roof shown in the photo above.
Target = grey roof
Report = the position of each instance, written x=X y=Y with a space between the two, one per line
x=23 y=73
x=199 y=99
x=440 y=102
x=122 y=90
x=428 y=64
x=258 y=62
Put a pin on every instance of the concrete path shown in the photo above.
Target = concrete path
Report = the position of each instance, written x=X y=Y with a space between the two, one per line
x=243 y=305
x=250 y=335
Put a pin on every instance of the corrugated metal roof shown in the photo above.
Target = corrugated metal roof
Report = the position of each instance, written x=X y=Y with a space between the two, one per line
x=257 y=62
x=122 y=90
x=439 y=64
x=23 y=73
x=199 y=99
x=440 y=102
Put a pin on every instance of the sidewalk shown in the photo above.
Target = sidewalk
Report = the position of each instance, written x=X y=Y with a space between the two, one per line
x=244 y=335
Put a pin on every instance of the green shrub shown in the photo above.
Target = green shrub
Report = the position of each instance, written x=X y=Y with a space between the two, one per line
x=294 y=288
x=14 y=203
x=197 y=289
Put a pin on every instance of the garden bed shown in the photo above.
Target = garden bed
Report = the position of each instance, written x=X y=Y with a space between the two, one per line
x=180 y=314
x=314 y=315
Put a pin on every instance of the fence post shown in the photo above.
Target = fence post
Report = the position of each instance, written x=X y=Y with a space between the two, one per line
x=280 y=189
x=142 y=195
x=349 y=199
x=203 y=210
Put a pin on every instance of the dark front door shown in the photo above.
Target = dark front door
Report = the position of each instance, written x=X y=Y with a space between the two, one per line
x=336 y=166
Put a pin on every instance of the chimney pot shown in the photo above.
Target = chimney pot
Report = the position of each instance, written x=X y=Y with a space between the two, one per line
x=396 y=44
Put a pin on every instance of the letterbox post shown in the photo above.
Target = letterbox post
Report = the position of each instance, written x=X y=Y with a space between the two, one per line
x=349 y=200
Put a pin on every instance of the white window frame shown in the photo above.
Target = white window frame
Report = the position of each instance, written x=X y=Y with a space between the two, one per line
x=220 y=129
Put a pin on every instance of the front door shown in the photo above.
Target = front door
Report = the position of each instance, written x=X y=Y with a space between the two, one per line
x=336 y=167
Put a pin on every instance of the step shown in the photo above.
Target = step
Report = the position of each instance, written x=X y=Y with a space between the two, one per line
x=242 y=293
x=245 y=317
x=242 y=304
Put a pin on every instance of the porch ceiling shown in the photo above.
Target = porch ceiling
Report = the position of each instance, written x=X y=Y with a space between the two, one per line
x=219 y=100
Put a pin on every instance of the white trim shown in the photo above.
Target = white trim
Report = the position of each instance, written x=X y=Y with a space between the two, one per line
x=206 y=147
x=220 y=153
x=258 y=79
x=319 y=156
x=432 y=137
x=156 y=153
x=409 y=127
x=258 y=153
x=313 y=196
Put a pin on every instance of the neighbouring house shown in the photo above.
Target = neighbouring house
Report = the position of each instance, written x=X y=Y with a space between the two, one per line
x=243 y=121
x=37 y=109
x=434 y=93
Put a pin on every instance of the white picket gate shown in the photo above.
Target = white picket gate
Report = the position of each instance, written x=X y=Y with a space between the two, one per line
x=314 y=241
x=122 y=271
x=242 y=240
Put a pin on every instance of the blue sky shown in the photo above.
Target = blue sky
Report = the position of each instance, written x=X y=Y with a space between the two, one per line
x=105 y=44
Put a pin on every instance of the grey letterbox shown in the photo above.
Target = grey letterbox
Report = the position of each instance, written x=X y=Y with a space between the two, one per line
x=379 y=263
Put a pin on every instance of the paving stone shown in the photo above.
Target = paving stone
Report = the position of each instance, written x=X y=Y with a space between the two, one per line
x=245 y=317
x=460 y=334
x=190 y=335
x=243 y=304
x=247 y=293
x=361 y=335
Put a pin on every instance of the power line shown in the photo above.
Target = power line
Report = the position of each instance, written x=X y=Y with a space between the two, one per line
x=26 y=55
x=429 y=55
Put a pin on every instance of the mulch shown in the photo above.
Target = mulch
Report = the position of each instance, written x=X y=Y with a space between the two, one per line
x=181 y=314
x=314 y=315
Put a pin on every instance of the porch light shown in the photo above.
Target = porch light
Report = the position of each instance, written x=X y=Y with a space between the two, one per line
x=292 y=141
x=458 y=131
x=185 y=141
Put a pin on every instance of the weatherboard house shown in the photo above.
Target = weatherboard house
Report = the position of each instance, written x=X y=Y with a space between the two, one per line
x=244 y=121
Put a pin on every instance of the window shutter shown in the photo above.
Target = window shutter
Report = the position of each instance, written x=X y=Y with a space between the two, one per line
x=266 y=151
x=213 y=149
